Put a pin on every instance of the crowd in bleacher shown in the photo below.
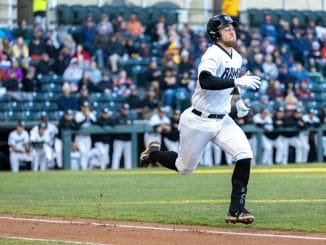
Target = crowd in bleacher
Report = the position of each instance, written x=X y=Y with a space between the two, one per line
x=119 y=63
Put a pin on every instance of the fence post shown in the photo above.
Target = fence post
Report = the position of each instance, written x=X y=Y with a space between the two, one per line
x=66 y=144
x=320 y=153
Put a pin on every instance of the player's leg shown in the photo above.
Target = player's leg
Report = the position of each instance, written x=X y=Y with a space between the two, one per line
x=14 y=161
x=127 y=155
x=233 y=141
x=117 y=153
x=195 y=133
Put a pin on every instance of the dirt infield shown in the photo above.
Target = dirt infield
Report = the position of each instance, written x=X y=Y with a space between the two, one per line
x=113 y=232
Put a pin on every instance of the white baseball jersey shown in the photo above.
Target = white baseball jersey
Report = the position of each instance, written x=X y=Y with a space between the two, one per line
x=220 y=64
x=18 y=140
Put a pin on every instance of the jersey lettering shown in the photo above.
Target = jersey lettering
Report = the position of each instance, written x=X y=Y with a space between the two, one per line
x=230 y=73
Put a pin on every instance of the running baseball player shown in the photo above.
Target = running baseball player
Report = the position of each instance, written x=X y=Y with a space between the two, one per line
x=207 y=119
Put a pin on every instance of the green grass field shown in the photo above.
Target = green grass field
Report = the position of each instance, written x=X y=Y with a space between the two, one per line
x=289 y=197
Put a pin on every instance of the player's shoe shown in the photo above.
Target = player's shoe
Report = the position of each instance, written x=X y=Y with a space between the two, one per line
x=243 y=216
x=144 y=156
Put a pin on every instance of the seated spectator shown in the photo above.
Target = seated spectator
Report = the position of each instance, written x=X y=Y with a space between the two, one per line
x=69 y=43
x=115 y=52
x=14 y=69
x=134 y=26
x=83 y=96
x=104 y=27
x=100 y=46
x=94 y=73
x=132 y=50
x=50 y=49
x=67 y=101
x=44 y=66
x=86 y=82
x=36 y=49
x=275 y=92
x=106 y=84
x=150 y=102
x=122 y=83
x=30 y=82
x=268 y=30
x=20 y=50
x=291 y=103
x=18 y=142
x=87 y=35
x=73 y=74
x=153 y=76
x=23 y=30
x=82 y=56
x=61 y=62
x=303 y=93
x=269 y=67
x=299 y=72
x=135 y=102
x=13 y=86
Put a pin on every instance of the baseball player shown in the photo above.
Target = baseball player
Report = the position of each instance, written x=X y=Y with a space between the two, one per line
x=18 y=142
x=207 y=119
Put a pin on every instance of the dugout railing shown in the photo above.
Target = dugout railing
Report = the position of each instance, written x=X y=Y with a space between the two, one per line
x=136 y=129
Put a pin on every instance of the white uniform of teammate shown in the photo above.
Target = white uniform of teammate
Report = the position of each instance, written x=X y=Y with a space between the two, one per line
x=17 y=141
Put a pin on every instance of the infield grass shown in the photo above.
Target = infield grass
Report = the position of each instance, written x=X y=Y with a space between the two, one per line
x=289 y=197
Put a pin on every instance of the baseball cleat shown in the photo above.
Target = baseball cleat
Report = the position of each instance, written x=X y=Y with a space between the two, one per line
x=144 y=156
x=244 y=217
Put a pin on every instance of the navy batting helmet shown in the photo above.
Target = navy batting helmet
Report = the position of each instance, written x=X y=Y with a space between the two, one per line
x=217 y=22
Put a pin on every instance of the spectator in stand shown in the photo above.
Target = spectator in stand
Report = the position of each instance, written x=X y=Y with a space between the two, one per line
x=23 y=30
x=134 y=26
x=20 y=50
x=106 y=84
x=289 y=88
x=104 y=27
x=122 y=31
x=268 y=29
x=69 y=43
x=303 y=93
x=122 y=142
x=6 y=44
x=53 y=35
x=135 y=102
x=122 y=83
x=131 y=48
x=19 y=148
x=284 y=76
x=87 y=35
x=61 y=62
x=115 y=52
x=82 y=56
x=67 y=101
x=150 y=102
x=299 y=72
x=144 y=50
x=102 y=141
x=15 y=70
x=275 y=92
x=153 y=75
x=44 y=66
x=30 y=82
x=13 y=85
x=36 y=48
x=161 y=124
x=186 y=65
x=50 y=49
x=269 y=67
x=291 y=104
x=86 y=82
x=73 y=74
x=186 y=81
x=94 y=73
x=100 y=46
x=157 y=30
x=84 y=118
x=299 y=48
x=83 y=96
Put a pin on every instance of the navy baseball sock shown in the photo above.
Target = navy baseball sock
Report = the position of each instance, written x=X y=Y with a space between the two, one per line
x=240 y=180
x=165 y=158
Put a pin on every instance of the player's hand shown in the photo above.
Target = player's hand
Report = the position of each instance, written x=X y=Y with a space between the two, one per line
x=242 y=109
x=248 y=81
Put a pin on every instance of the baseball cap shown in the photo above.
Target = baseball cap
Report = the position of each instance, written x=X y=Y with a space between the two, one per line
x=105 y=110
x=85 y=103
x=125 y=106
x=21 y=123
x=42 y=125
x=68 y=112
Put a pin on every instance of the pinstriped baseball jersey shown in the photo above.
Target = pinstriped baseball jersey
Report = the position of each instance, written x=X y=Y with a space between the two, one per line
x=220 y=64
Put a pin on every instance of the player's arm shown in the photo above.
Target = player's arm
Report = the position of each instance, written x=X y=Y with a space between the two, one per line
x=210 y=82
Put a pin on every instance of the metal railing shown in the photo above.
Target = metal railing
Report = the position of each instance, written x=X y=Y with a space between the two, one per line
x=135 y=130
